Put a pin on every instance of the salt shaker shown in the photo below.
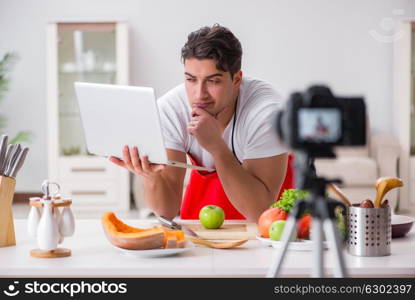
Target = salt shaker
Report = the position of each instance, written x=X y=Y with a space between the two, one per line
x=57 y=214
x=67 y=222
x=33 y=221
x=47 y=231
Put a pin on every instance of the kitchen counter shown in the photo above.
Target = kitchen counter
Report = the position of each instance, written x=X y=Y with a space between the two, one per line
x=93 y=256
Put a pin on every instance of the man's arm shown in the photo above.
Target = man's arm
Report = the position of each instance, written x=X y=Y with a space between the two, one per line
x=253 y=186
x=163 y=193
x=163 y=185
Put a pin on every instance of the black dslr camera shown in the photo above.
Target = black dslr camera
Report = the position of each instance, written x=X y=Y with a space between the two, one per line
x=312 y=124
x=315 y=121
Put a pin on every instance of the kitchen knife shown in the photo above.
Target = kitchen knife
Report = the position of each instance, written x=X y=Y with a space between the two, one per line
x=173 y=225
x=19 y=162
x=17 y=149
x=3 y=151
x=13 y=157
x=7 y=158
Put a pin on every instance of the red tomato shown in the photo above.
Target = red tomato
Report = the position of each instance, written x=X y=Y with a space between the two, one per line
x=268 y=217
x=303 y=227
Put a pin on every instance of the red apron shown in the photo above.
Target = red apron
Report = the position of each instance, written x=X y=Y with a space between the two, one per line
x=205 y=188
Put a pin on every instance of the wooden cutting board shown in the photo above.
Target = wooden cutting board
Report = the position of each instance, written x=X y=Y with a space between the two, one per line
x=228 y=231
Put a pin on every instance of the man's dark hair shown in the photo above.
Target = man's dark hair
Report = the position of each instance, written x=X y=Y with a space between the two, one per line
x=216 y=42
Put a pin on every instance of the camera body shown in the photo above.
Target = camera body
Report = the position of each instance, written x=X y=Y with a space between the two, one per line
x=315 y=121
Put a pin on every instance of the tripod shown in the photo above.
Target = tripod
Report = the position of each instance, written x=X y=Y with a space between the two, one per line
x=323 y=215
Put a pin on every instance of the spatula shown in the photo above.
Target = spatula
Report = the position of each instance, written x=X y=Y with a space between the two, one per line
x=336 y=190
x=384 y=185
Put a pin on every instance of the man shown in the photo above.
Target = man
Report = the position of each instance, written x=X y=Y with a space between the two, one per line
x=221 y=120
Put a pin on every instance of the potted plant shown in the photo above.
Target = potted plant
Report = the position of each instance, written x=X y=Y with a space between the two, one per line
x=6 y=64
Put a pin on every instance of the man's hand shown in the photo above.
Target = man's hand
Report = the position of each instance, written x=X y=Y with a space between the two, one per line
x=133 y=162
x=206 y=129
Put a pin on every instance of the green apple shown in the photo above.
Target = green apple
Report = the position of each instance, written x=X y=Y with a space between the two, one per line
x=276 y=230
x=211 y=216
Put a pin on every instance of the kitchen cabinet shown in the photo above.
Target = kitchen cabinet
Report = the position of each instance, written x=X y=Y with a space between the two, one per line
x=87 y=52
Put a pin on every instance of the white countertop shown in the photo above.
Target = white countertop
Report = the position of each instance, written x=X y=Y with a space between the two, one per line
x=93 y=256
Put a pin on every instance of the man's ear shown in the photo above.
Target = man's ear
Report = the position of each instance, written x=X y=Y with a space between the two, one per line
x=237 y=78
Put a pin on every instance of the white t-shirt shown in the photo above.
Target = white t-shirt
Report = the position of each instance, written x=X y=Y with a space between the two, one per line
x=254 y=132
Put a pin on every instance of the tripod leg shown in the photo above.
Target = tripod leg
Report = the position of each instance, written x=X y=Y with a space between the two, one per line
x=333 y=236
x=317 y=232
x=276 y=264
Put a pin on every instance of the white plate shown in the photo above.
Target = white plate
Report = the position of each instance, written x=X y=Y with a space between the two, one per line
x=298 y=245
x=154 y=252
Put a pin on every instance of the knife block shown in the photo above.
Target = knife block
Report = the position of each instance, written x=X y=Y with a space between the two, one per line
x=7 y=235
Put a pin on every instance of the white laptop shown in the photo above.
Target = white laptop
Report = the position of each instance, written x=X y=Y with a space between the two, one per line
x=113 y=116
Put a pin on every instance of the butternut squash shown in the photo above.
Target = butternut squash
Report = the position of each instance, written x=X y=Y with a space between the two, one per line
x=127 y=237
x=174 y=239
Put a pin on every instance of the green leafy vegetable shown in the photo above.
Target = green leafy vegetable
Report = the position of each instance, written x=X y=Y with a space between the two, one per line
x=341 y=222
x=289 y=197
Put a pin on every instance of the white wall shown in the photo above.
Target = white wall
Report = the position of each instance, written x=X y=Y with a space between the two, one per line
x=290 y=43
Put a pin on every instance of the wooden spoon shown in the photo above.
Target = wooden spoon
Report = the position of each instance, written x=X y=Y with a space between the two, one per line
x=217 y=245
x=336 y=190
x=384 y=185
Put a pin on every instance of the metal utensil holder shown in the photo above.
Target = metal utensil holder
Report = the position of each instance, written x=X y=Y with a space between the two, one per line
x=369 y=231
